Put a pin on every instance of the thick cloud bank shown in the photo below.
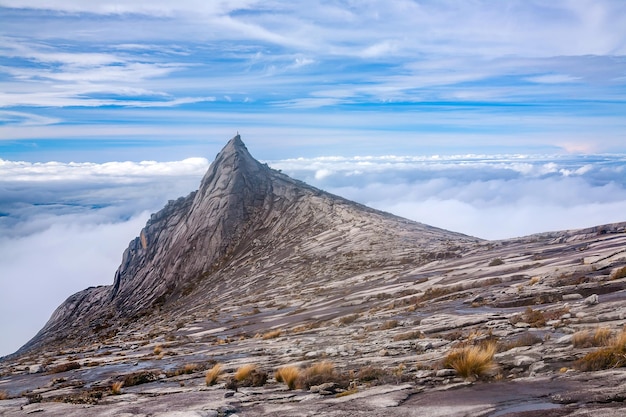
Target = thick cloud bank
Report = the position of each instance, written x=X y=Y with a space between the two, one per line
x=491 y=197
x=64 y=226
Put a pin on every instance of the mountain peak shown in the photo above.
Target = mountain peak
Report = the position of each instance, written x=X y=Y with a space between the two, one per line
x=245 y=220
x=235 y=145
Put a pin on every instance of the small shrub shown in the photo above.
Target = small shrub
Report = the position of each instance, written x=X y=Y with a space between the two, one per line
x=472 y=361
x=347 y=392
x=190 y=368
x=247 y=376
x=611 y=356
x=3 y=395
x=272 y=334
x=64 y=367
x=496 y=262
x=619 y=273
x=244 y=371
x=116 y=388
x=372 y=374
x=213 y=374
x=533 y=317
x=289 y=375
x=585 y=339
x=138 y=378
x=319 y=373
x=158 y=349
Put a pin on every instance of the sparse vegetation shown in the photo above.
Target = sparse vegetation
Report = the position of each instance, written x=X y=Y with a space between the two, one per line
x=585 y=338
x=190 y=368
x=496 y=262
x=116 y=388
x=389 y=324
x=372 y=375
x=244 y=371
x=535 y=318
x=619 y=273
x=289 y=375
x=611 y=356
x=248 y=375
x=345 y=320
x=322 y=372
x=138 y=378
x=213 y=374
x=64 y=367
x=472 y=361
x=273 y=334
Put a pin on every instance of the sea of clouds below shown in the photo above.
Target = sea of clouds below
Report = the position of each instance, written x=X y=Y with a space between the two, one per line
x=64 y=226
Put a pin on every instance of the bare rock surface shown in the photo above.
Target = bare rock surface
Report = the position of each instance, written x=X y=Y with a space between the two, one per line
x=258 y=268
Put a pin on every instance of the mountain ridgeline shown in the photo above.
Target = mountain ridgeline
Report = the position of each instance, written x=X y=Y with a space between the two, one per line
x=247 y=229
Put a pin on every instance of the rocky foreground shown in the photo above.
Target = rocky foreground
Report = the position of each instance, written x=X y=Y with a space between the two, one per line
x=331 y=310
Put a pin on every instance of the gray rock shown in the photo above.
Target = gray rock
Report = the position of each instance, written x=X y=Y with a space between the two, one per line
x=591 y=300
x=523 y=361
x=444 y=373
x=572 y=297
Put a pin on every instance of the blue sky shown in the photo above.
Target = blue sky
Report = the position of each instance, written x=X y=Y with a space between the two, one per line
x=159 y=80
x=492 y=118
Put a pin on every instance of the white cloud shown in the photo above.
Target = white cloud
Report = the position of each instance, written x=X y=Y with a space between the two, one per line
x=39 y=271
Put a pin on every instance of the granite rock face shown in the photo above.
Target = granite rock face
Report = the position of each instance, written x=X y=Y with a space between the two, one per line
x=243 y=215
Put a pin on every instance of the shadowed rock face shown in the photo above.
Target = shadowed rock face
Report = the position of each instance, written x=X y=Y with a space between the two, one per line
x=245 y=216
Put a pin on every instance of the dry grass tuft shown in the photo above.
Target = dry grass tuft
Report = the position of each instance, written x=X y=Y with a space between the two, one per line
x=289 y=375
x=345 y=320
x=619 y=273
x=535 y=318
x=141 y=377
x=472 y=361
x=347 y=392
x=116 y=388
x=158 y=349
x=244 y=371
x=64 y=367
x=611 y=356
x=3 y=395
x=273 y=334
x=389 y=324
x=585 y=338
x=190 y=368
x=320 y=373
x=496 y=262
x=213 y=374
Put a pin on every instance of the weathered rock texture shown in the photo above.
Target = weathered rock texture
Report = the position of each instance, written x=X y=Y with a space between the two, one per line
x=245 y=218
x=258 y=268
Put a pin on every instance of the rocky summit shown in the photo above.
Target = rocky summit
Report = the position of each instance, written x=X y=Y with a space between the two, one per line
x=261 y=295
